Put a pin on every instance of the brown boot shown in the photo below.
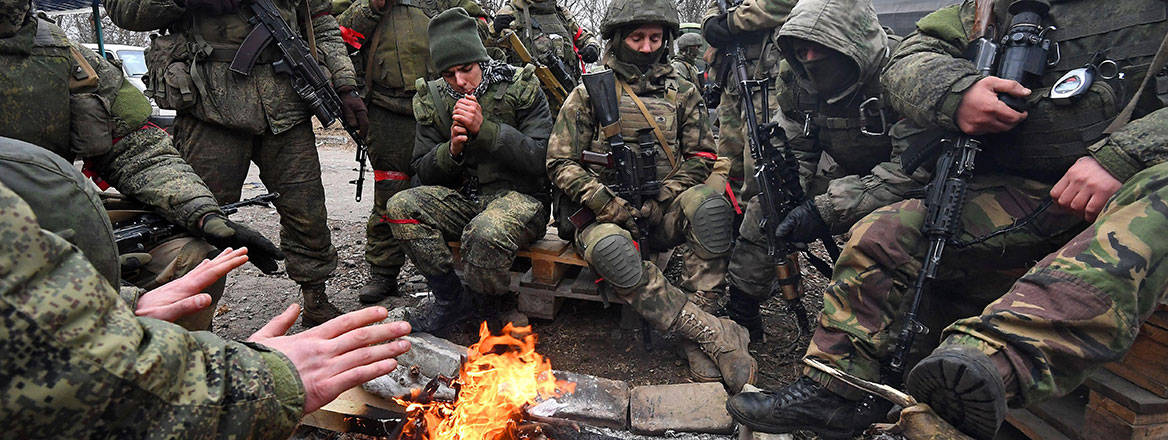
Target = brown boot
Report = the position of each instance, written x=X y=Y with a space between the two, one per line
x=707 y=300
x=378 y=289
x=317 y=308
x=701 y=367
x=721 y=339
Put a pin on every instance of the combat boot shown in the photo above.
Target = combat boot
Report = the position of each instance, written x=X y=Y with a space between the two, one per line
x=722 y=340
x=961 y=384
x=378 y=289
x=448 y=306
x=317 y=308
x=744 y=309
x=806 y=405
x=707 y=300
x=701 y=367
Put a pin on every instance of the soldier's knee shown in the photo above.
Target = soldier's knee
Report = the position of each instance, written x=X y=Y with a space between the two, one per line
x=488 y=243
x=889 y=235
x=612 y=254
x=711 y=220
x=403 y=204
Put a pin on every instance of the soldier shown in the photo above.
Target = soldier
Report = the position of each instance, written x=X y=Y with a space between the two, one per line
x=79 y=364
x=654 y=99
x=550 y=33
x=829 y=88
x=70 y=100
x=481 y=141
x=396 y=54
x=685 y=62
x=1077 y=309
x=226 y=120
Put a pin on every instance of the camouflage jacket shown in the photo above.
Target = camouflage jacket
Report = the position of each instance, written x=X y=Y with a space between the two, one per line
x=261 y=102
x=509 y=150
x=396 y=46
x=852 y=126
x=552 y=19
x=762 y=17
x=79 y=364
x=68 y=99
x=1054 y=135
x=676 y=106
x=686 y=69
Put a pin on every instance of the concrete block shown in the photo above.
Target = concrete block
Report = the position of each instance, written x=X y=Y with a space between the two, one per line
x=433 y=355
x=689 y=407
x=402 y=381
x=596 y=401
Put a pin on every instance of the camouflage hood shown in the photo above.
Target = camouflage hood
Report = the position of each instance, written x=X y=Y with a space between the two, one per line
x=847 y=26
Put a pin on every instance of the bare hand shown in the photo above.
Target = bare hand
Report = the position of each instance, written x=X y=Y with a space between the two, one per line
x=468 y=113
x=184 y=296
x=340 y=354
x=981 y=112
x=458 y=139
x=1085 y=188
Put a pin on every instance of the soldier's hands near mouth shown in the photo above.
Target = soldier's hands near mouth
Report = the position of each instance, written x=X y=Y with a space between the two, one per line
x=339 y=354
x=1085 y=188
x=468 y=113
x=981 y=112
x=212 y=7
x=184 y=296
x=223 y=233
x=458 y=139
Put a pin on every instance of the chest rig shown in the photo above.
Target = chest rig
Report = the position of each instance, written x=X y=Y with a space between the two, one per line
x=544 y=30
x=662 y=107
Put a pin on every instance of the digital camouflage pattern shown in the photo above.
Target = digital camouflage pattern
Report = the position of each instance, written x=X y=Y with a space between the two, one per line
x=397 y=52
x=552 y=19
x=678 y=109
x=492 y=230
x=620 y=14
x=80 y=364
x=494 y=200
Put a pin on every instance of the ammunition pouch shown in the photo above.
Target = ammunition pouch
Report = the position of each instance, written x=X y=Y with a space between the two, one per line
x=168 y=77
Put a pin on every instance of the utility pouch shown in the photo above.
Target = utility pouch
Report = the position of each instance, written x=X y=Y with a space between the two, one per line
x=566 y=214
x=168 y=77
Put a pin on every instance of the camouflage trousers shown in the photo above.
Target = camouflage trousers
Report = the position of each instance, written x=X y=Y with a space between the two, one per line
x=391 y=145
x=492 y=229
x=171 y=260
x=751 y=269
x=732 y=143
x=868 y=296
x=685 y=220
x=289 y=165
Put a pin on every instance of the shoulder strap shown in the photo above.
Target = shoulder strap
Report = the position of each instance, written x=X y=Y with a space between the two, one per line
x=86 y=77
x=1158 y=63
x=309 y=33
x=649 y=118
x=441 y=117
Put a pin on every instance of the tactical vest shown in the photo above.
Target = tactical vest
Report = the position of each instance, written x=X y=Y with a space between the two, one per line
x=635 y=128
x=402 y=49
x=544 y=31
x=500 y=104
x=34 y=86
x=853 y=131
x=1055 y=135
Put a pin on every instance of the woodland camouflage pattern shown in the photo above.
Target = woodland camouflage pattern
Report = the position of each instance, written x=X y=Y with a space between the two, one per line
x=1109 y=266
x=79 y=364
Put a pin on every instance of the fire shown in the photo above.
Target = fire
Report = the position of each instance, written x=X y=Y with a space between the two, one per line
x=502 y=376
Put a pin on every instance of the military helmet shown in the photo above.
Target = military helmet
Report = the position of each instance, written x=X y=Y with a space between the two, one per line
x=623 y=13
x=13 y=14
x=689 y=40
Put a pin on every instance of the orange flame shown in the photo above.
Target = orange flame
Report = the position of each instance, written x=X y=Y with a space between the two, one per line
x=501 y=376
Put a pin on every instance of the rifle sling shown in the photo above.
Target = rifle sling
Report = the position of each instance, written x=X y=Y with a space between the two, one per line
x=309 y=33
x=649 y=118
x=1158 y=63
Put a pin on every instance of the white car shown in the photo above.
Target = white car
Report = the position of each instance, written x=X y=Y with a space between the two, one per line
x=133 y=63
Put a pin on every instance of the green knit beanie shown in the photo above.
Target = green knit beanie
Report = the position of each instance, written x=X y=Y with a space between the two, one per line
x=454 y=40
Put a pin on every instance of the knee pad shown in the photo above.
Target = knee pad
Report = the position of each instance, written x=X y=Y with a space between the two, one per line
x=616 y=259
x=712 y=227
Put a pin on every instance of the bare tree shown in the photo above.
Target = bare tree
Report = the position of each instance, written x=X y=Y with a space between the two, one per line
x=691 y=11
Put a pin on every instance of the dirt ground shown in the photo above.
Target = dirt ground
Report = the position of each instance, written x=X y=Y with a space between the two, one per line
x=585 y=337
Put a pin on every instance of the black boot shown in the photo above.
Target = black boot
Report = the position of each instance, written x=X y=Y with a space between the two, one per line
x=961 y=384
x=448 y=308
x=744 y=309
x=806 y=405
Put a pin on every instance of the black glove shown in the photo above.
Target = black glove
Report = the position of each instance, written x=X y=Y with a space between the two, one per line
x=803 y=224
x=354 y=110
x=212 y=7
x=502 y=22
x=717 y=32
x=224 y=233
x=590 y=53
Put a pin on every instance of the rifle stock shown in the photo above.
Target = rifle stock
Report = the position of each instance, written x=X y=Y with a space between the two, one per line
x=557 y=93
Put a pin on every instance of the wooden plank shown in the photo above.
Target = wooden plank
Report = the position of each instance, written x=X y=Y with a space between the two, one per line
x=1153 y=332
x=1100 y=401
x=546 y=272
x=1128 y=394
x=1101 y=424
x=1159 y=318
x=352 y=410
x=539 y=306
x=1064 y=414
x=585 y=283
x=548 y=247
x=1033 y=427
x=1138 y=377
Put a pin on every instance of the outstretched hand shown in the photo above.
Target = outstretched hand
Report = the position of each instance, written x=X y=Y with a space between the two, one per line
x=184 y=296
x=342 y=353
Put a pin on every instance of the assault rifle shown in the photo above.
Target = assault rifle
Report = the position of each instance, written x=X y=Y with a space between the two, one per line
x=1023 y=59
x=554 y=63
x=144 y=232
x=636 y=171
x=777 y=173
x=557 y=91
x=298 y=63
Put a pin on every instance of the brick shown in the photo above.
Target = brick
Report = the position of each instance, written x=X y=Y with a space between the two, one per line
x=690 y=407
x=596 y=401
